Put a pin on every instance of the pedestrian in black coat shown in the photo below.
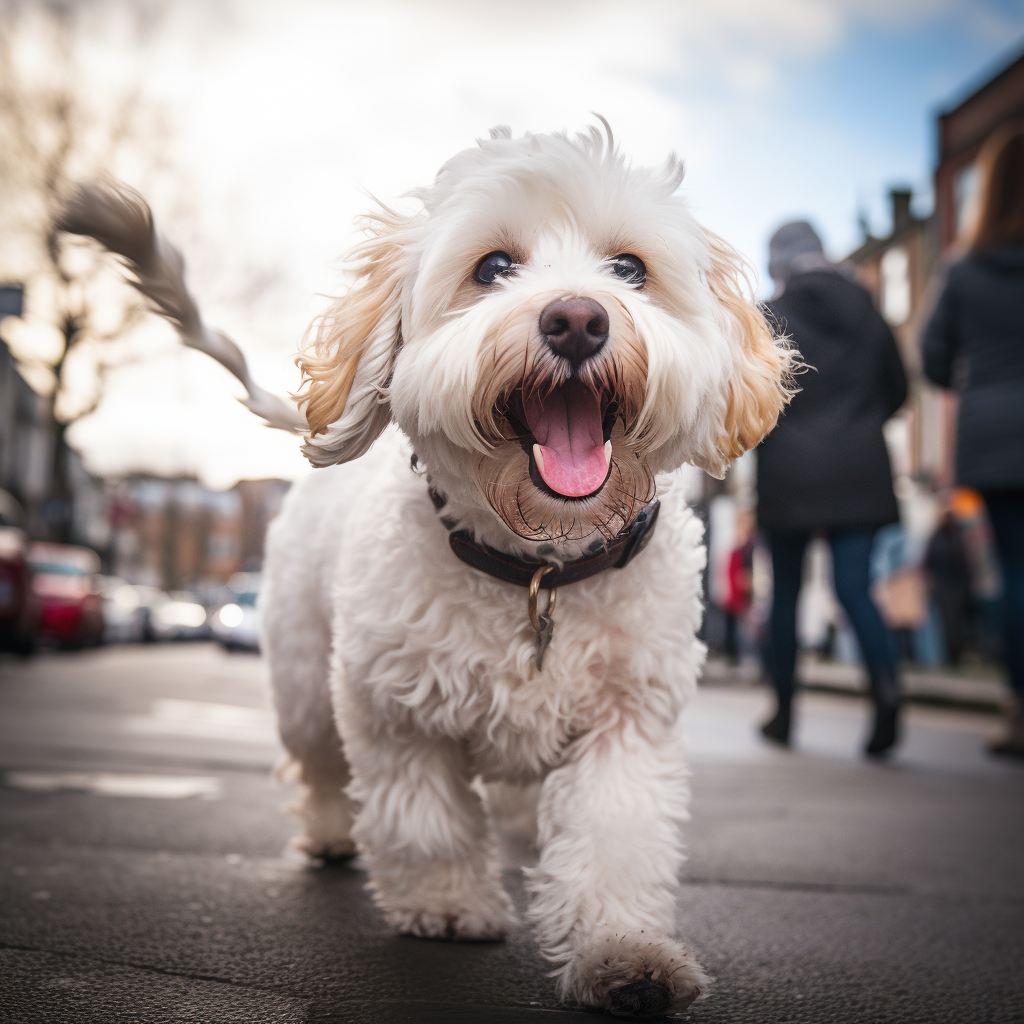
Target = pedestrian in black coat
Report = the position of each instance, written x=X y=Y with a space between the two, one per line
x=978 y=327
x=975 y=343
x=825 y=467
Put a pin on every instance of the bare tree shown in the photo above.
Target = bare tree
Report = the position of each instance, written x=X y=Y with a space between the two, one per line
x=60 y=125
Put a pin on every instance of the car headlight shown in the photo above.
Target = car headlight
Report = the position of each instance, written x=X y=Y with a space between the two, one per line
x=126 y=599
x=230 y=616
x=181 y=613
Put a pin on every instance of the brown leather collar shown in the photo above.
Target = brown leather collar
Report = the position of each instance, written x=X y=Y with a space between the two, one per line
x=615 y=554
x=618 y=552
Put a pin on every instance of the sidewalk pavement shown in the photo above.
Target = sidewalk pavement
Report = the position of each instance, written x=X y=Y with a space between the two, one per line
x=145 y=878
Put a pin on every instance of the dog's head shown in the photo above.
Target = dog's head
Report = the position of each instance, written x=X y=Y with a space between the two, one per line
x=550 y=331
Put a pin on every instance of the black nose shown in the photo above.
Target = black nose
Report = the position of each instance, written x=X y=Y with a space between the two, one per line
x=574 y=328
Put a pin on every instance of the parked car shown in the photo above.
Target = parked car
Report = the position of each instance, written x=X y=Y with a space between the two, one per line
x=125 y=615
x=64 y=581
x=150 y=598
x=179 y=616
x=236 y=623
x=18 y=607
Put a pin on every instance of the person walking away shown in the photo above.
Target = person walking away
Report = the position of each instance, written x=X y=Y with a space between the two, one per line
x=825 y=468
x=949 y=578
x=974 y=342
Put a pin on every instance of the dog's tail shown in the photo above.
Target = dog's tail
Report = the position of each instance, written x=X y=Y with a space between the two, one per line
x=121 y=221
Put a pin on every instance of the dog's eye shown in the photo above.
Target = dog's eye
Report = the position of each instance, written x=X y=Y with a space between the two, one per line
x=630 y=269
x=495 y=264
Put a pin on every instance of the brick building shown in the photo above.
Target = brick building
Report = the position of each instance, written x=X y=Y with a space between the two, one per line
x=899 y=269
x=178 y=535
x=961 y=132
x=27 y=429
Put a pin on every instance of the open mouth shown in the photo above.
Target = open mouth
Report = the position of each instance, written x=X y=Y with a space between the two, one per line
x=566 y=431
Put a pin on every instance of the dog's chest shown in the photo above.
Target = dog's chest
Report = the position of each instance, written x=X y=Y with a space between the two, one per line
x=454 y=651
x=470 y=640
x=441 y=646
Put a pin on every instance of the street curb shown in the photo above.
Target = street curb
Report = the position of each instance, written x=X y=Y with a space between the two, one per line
x=978 y=696
x=934 y=700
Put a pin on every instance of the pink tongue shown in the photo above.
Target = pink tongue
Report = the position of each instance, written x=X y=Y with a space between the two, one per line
x=567 y=426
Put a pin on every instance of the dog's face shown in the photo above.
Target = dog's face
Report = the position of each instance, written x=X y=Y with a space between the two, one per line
x=552 y=330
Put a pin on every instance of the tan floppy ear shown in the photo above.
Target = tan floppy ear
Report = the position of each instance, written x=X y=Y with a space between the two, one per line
x=762 y=372
x=347 y=367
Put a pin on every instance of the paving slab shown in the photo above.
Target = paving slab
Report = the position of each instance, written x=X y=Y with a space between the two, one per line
x=819 y=887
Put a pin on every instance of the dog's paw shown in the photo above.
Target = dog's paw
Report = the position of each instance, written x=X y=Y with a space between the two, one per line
x=454 y=925
x=444 y=900
x=631 y=976
x=327 y=823
x=324 y=849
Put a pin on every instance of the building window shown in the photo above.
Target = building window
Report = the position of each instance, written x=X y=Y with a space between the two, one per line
x=896 y=286
x=965 y=196
x=219 y=546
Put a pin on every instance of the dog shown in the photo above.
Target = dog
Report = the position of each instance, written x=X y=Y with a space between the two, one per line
x=495 y=576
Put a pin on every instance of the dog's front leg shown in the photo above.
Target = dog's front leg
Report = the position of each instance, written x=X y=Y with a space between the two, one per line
x=424 y=835
x=604 y=890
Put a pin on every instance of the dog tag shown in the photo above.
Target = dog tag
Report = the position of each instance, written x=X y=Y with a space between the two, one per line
x=547 y=627
x=543 y=623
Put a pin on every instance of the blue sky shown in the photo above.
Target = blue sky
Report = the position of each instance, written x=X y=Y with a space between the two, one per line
x=860 y=116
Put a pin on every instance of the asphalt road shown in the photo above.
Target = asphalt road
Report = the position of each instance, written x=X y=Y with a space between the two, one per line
x=144 y=874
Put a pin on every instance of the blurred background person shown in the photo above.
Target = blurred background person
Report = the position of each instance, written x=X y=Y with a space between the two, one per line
x=825 y=467
x=739 y=591
x=974 y=342
x=948 y=569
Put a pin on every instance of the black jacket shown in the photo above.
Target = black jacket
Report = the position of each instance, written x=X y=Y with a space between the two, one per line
x=825 y=466
x=975 y=342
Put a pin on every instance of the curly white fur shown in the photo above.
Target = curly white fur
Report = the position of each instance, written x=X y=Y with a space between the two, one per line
x=431 y=666
x=433 y=683
x=431 y=663
x=402 y=677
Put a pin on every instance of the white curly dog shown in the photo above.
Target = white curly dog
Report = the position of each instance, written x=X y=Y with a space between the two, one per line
x=552 y=335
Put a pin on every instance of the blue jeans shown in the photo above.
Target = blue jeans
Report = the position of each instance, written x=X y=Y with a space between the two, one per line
x=851 y=554
x=1006 y=513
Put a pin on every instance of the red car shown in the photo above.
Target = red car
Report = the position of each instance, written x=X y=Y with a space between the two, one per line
x=17 y=600
x=70 y=602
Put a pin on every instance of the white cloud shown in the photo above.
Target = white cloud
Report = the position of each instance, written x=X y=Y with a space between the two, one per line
x=284 y=115
x=177 y=415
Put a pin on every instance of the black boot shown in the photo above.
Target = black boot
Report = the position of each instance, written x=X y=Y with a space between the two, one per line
x=1012 y=743
x=885 y=692
x=777 y=730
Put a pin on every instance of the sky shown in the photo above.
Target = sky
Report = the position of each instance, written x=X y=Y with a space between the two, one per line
x=283 y=117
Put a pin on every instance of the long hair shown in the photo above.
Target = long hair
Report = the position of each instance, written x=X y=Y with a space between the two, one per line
x=1000 y=216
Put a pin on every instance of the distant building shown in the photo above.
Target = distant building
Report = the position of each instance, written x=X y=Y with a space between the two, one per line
x=173 y=534
x=26 y=436
x=898 y=269
x=961 y=132
x=178 y=535
x=28 y=444
x=261 y=500
x=27 y=430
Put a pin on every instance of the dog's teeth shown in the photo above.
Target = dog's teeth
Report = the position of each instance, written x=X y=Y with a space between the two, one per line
x=608 y=452
x=539 y=457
